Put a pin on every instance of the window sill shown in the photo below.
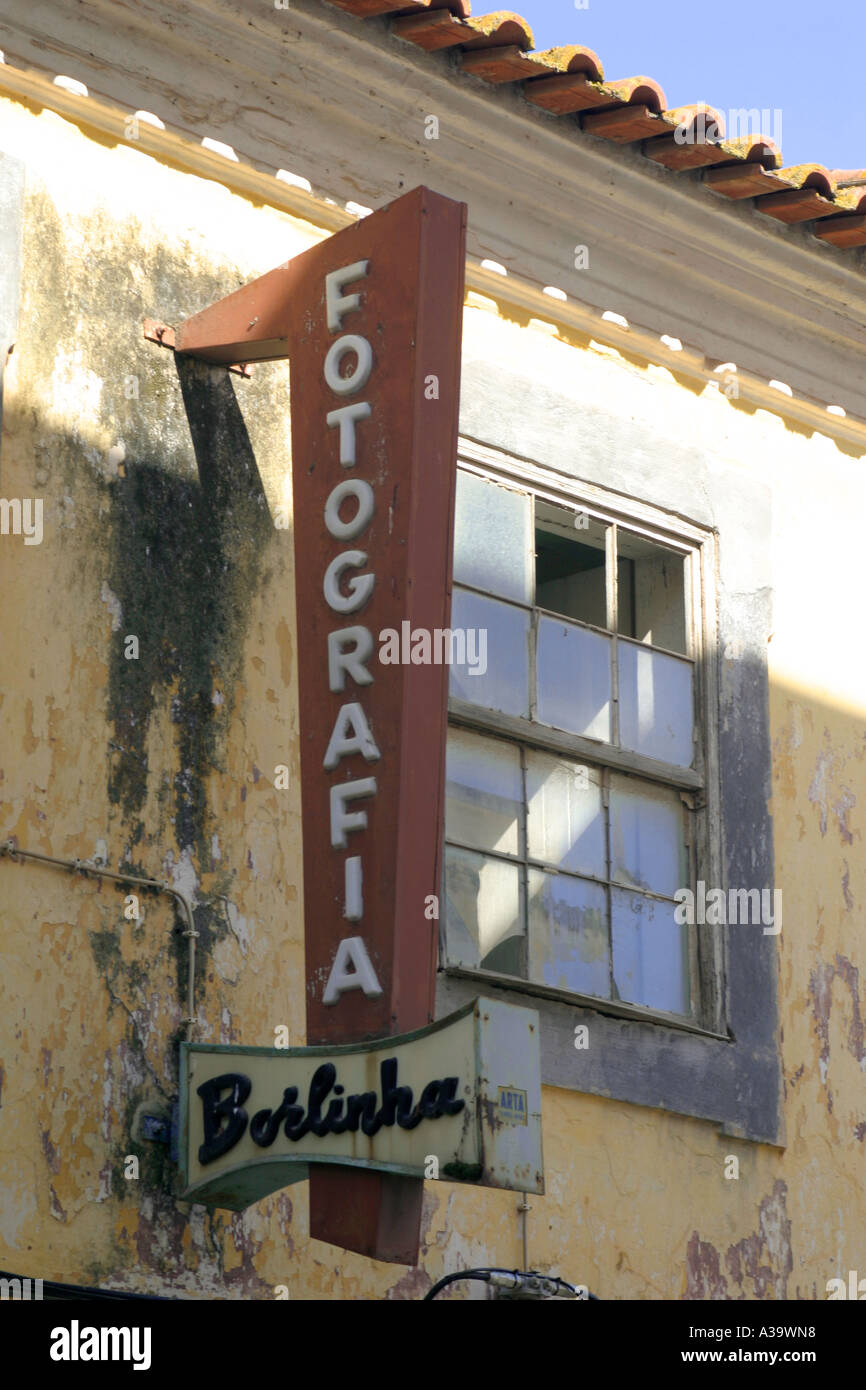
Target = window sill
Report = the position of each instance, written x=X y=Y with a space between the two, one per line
x=612 y=1007
x=640 y=1057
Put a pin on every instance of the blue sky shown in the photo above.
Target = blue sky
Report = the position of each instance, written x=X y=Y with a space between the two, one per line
x=800 y=57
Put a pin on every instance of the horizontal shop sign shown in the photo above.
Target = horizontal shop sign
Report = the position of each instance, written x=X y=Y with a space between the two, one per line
x=459 y=1100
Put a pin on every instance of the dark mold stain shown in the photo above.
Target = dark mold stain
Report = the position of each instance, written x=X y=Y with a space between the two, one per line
x=186 y=560
x=180 y=531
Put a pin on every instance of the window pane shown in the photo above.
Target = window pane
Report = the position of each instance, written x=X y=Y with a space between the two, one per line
x=497 y=638
x=573 y=679
x=565 y=818
x=483 y=919
x=568 y=936
x=647 y=844
x=650 y=953
x=570 y=564
x=655 y=704
x=483 y=792
x=492 y=537
x=651 y=592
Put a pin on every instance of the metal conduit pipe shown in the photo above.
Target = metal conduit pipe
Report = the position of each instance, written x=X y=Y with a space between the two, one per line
x=84 y=867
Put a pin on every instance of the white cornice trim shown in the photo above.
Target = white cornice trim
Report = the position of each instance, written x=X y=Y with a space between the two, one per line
x=188 y=154
x=688 y=362
x=666 y=254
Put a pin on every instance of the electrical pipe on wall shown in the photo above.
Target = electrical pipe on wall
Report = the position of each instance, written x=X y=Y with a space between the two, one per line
x=11 y=851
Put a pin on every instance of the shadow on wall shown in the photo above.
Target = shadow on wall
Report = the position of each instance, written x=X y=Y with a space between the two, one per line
x=186 y=559
x=179 y=539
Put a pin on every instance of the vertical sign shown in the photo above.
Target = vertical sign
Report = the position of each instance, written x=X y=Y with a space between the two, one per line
x=371 y=319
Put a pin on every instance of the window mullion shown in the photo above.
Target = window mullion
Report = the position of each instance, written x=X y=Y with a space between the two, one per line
x=612 y=590
x=523 y=852
x=697 y=1002
x=533 y=624
x=533 y=664
x=614 y=691
x=608 y=868
x=611 y=584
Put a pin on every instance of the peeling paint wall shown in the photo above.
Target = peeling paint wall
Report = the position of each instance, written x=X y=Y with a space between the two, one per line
x=160 y=484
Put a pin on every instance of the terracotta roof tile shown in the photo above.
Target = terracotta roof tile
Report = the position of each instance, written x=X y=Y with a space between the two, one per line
x=574 y=58
x=846 y=178
x=624 y=124
x=499 y=29
x=566 y=92
x=632 y=112
x=691 y=138
x=566 y=80
x=505 y=64
x=852 y=199
x=743 y=163
x=747 y=179
x=439 y=28
x=810 y=176
x=844 y=232
x=433 y=30
x=796 y=205
x=641 y=91
x=502 y=29
x=757 y=148
x=367 y=9
x=810 y=194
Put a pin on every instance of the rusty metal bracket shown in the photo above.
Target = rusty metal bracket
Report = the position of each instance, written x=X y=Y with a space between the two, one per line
x=164 y=336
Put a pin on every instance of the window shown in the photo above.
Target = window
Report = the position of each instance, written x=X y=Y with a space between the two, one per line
x=578 y=746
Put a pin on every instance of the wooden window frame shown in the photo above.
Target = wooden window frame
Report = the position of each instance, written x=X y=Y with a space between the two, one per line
x=700 y=784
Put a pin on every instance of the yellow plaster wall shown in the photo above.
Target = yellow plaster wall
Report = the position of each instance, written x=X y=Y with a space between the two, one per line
x=637 y=1204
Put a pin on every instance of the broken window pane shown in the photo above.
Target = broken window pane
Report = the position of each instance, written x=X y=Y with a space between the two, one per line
x=492 y=538
x=651 y=592
x=647 y=840
x=650 y=953
x=565 y=817
x=483 y=792
x=573 y=678
x=570 y=564
x=497 y=638
x=656 y=704
x=568 y=936
x=483 y=915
